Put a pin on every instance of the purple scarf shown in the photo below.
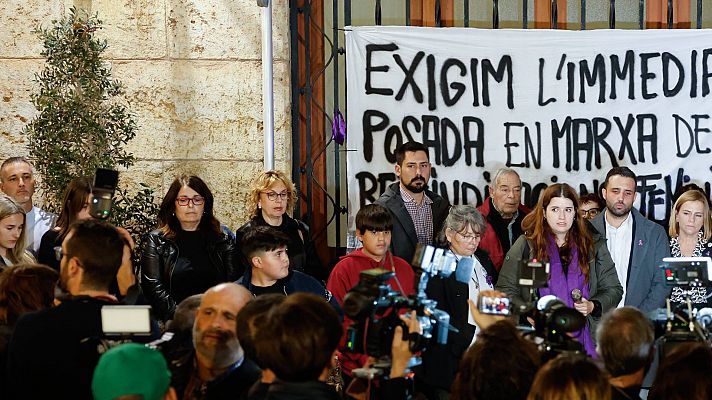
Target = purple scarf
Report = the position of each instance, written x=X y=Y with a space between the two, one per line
x=561 y=285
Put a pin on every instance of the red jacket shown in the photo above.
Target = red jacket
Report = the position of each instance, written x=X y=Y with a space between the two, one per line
x=345 y=275
x=490 y=243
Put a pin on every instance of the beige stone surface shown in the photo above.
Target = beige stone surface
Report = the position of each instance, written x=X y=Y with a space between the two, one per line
x=19 y=18
x=139 y=24
x=224 y=29
x=16 y=109
x=193 y=77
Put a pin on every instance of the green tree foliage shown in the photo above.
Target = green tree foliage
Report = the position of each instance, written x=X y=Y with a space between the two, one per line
x=83 y=121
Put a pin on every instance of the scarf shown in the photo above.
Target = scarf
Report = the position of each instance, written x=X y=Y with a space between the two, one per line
x=561 y=285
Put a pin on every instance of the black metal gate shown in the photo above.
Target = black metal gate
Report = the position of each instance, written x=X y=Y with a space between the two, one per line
x=317 y=159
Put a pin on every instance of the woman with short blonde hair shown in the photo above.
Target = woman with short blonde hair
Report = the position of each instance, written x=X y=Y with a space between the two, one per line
x=270 y=201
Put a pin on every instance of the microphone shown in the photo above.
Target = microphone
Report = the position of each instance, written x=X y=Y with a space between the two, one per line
x=464 y=268
x=576 y=295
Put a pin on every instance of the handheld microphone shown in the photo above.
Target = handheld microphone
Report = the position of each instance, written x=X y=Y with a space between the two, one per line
x=464 y=268
x=576 y=295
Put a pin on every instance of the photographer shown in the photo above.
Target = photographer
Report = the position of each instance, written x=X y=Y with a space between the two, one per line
x=58 y=347
x=501 y=365
x=579 y=259
x=462 y=231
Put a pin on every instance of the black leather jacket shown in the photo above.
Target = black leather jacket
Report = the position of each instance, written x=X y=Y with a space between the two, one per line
x=158 y=259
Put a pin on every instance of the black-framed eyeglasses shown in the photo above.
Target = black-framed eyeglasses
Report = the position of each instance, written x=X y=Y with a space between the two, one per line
x=58 y=253
x=183 y=201
x=272 y=196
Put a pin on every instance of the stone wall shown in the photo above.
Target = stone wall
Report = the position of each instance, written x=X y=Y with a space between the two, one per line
x=193 y=75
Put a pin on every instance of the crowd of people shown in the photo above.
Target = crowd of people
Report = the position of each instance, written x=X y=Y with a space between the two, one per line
x=255 y=314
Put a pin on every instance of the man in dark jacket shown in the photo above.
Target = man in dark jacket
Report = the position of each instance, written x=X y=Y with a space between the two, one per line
x=53 y=352
x=418 y=213
x=503 y=213
x=217 y=368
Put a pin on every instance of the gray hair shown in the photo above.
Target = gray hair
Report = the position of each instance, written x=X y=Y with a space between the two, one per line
x=501 y=172
x=461 y=217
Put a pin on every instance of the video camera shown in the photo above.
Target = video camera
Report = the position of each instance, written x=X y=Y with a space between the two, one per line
x=552 y=318
x=105 y=181
x=375 y=308
x=686 y=317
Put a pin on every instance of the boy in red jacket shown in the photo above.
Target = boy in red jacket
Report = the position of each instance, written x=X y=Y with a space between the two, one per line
x=373 y=229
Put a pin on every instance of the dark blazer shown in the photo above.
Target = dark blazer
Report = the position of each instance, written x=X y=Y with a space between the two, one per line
x=440 y=362
x=645 y=288
x=403 y=237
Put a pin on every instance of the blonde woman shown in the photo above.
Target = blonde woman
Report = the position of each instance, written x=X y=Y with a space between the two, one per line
x=690 y=231
x=13 y=241
x=271 y=200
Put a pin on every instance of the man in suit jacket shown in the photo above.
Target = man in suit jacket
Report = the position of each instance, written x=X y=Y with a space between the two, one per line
x=418 y=213
x=637 y=245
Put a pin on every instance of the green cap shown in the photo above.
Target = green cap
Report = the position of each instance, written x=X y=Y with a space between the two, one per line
x=131 y=369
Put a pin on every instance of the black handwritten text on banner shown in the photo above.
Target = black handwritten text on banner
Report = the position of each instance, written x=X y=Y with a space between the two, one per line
x=557 y=106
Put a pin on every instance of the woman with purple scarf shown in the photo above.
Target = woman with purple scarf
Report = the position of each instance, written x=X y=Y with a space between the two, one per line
x=578 y=256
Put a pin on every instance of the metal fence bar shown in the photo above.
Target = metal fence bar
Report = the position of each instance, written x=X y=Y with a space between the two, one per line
x=495 y=14
x=669 y=14
x=583 y=15
x=612 y=14
x=337 y=163
x=377 y=17
x=641 y=14
x=699 y=14
x=309 y=170
x=347 y=12
x=466 y=12
x=438 y=14
x=296 y=93
x=525 y=14
x=407 y=12
x=554 y=15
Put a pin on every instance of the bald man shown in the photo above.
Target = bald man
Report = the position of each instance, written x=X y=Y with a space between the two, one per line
x=217 y=368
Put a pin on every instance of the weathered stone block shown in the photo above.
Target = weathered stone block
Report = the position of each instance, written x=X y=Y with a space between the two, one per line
x=134 y=28
x=224 y=29
x=19 y=18
x=16 y=109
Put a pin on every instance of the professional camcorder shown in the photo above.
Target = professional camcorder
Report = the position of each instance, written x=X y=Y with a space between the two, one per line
x=375 y=308
x=552 y=318
x=686 y=317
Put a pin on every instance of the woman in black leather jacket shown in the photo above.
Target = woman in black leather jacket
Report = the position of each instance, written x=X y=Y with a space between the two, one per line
x=189 y=252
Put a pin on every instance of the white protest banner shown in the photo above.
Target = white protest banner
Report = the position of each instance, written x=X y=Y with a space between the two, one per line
x=557 y=106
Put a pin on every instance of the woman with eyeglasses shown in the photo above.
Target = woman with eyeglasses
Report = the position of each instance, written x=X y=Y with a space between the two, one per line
x=461 y=233
x=75 y=207
x=690 y=231
x=271 y=200
x=591 y=205
x=190 y=251
x=578 y=257
x=13 y=243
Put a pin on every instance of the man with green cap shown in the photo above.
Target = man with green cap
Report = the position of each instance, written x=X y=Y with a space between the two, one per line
x=132 y=371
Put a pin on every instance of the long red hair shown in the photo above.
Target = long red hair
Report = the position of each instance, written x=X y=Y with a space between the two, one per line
x=537 y=230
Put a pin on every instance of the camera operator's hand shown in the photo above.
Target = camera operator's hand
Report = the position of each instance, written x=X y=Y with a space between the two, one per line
x=485 y=320
x=584 y=306
x=125 y=277
x=400 y=349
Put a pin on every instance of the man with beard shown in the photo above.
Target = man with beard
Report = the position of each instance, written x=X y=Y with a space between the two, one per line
x=217 y=367
x=503 y=213
x=418 y=213
x=53 y=352
x=637 y=245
